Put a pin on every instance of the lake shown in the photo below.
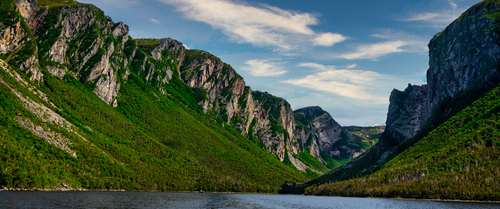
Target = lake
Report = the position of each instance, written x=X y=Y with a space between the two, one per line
x=207 y=200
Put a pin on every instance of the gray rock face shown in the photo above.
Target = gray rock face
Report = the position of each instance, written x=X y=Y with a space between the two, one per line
x=319 y=132
x=85 y=48
x=175 y=47
x=275 y=125
x=405 y=116
x=234 y=102
x=318 y=129
x=465 y=56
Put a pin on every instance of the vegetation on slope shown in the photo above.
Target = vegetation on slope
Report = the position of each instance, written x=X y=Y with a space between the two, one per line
x=146 y=144
x=147 y=44
x=458 y=160
x=150 y=141
x=370 y=135
x=58 y=3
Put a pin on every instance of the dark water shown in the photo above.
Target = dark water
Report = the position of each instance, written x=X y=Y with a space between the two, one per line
x=206 y=200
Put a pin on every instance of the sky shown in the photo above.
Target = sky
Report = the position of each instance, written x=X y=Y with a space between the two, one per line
x=344 y=56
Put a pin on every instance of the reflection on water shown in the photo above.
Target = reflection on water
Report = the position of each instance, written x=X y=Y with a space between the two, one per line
x=207 y=200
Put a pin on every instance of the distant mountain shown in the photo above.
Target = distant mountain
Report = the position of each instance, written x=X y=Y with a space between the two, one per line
x=427 y=138
x=324 y=139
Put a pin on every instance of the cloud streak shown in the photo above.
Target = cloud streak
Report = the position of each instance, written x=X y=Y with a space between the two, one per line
x=355 y=84
x=438 y=19
x=260 y=26
x=395 y=43
x=155 y=21
x=263 y=68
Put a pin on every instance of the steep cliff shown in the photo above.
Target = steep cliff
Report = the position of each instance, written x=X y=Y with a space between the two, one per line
x=323 y=138
x=404 y=117
x=17 y=44
x=463 y=66
x=224 y=96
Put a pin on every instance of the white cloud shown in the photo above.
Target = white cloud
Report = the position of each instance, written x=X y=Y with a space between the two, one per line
x=328 y=39
x=155 y=21
x=351 y=66
x=313 y=65
x=260 y=26
x=438 y=19
x=374 y=51
x=397 y=42
x=452 y=4
x=356 y=84
x=185 y=46
x=263 y=68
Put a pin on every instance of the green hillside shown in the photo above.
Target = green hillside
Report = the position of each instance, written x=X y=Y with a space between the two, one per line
x=150 y=141
x=458 y=160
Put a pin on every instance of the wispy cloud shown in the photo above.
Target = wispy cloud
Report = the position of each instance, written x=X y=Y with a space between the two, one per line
x=438 y=19
x=374 y=51
x=260 y=26
x=356 y=84
x=328 y=39
x=155 y=21
x=452 y=4
x=396 y=42
x=313 y=65
x=351 y=66
x=263 y=68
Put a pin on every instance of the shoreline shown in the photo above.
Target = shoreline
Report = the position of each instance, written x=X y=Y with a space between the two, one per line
x=201 y=191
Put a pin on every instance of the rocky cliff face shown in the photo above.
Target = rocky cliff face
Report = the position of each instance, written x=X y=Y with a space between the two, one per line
x=16 y=39
x=80 y=41
x=322 y=136
x=256 y=114
x=405 y=112
x=318 y=130
x=463 y=58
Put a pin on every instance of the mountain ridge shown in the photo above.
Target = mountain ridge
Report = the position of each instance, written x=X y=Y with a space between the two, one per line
x=144 y=108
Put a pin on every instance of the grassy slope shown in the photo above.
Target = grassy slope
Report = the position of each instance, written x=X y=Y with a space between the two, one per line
x=149 y=142
x=368 y=134
x=458 y=160
x=56 y=3
x=147 y=45
x=175 y=150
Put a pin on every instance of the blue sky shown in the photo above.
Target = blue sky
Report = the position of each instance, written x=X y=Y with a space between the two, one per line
x=344 y=56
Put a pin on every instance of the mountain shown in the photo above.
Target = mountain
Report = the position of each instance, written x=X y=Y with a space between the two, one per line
x=324 y=139
x=85 y=106
x=463 y=68
x=107 y=111
x=458 y=160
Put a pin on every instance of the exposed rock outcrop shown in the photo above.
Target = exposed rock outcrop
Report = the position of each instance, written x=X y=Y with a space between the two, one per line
x=87 y=46
x=320 y=133
x=463 y=58
x=405 y=112
x=17 y=41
